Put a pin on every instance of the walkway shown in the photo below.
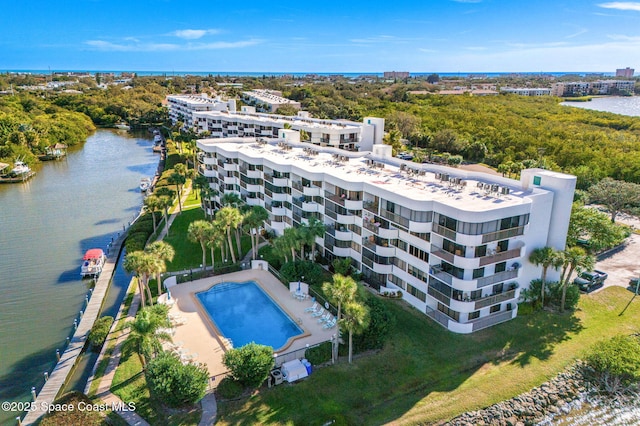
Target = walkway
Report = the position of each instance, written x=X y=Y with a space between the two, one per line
x=68 y=358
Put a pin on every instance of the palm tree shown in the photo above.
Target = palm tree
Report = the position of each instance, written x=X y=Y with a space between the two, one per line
x=233 y=200
x=143 y=265
x=144 y=334
x=207 y=194
x=355 y=321
x=342 y=290
x=178 y=180
x=291 y=239
x=574 y=258
x=231 y=218
x=198 y=233
x=281 y=248
x=152 y=204
x=253 y=221
x=316 y=229
x=199 y=183
x=545 y=257
x=164 y=203
x=164 y=253
x=215 y=239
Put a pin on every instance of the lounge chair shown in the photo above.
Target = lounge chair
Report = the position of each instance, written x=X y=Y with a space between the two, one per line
x=326 y=317
x=318 y=313
x=331 y=323
x=312 y=308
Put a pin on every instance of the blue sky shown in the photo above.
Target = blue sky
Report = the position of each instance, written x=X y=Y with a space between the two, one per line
x=320 y=36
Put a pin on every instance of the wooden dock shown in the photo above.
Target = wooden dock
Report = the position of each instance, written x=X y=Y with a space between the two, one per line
x=17 y=179
x=68 y=358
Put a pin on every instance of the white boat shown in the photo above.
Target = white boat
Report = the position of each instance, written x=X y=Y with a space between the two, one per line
x=20 y=168
x=92 y=263
x=145 y=184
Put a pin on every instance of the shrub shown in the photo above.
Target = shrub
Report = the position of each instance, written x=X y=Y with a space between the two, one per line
x=249 y=364
x=319 y=354
x=342 y=266
x=555 y=295
x=525 y=308
x=136 y=241
x=616 y=362
x=229 y=388
x=174 y=383
x=312 y=272
x=99 y=331
x=380 y=325
x=75 y=415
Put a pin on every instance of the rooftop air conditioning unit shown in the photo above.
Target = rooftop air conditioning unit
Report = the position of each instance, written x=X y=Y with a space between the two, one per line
x=504 y=190
x=494 y=188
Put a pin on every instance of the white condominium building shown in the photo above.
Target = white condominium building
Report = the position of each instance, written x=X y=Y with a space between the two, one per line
x=267 y=100
x=456 y=243
x=343 y=134
x=182 y=107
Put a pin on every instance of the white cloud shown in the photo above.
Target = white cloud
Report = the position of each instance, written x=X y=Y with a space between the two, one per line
x=194 y=34
x=108 y=46
x=621 y=5
x=115 y=47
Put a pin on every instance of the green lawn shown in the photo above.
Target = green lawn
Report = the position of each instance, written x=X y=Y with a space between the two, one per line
x=189 y=254
x=426 y=374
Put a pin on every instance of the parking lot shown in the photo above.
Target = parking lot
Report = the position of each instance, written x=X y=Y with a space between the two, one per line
x=623 y=265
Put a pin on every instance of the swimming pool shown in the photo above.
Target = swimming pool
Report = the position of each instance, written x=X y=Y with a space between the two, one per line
x=244 y=313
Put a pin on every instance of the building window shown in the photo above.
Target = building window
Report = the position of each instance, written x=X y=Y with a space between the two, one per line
x=494 y=308
x=474 y=315
x=478 y=273
x=501 y=267
x=449 y=312
x=537 y=180
x=421 y=295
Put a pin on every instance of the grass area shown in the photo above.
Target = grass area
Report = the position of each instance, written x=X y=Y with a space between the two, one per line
x=111 y=341
x=426 y=374
x=130 y=385
x=189 y=254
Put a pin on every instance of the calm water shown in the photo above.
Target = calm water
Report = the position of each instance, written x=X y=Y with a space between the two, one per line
x=244 y=314
x=625 y=105
x=46 y=225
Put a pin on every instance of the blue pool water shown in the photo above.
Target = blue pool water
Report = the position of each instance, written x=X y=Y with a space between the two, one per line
x=244 y=313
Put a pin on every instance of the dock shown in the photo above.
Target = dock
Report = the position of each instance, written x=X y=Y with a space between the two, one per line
x=68 y=358
x=17 y=179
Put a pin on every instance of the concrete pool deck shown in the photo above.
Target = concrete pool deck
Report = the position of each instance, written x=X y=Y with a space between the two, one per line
x=198 y=334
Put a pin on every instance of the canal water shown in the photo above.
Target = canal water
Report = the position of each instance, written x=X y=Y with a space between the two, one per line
x=46 y=225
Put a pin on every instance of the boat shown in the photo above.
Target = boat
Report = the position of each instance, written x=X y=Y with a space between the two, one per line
x=20 y=168
x=92 y=263
x=145 y=184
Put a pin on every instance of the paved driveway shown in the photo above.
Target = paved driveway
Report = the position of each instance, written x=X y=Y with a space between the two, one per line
x=623 y=265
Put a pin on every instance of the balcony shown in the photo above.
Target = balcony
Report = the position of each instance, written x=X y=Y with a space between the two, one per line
x=338 y=199
x=438 y=316
x=341 y=233
x=495 y=299
x=492 y=319
x=445 y=232
x=502 y=235
x=371 y=206
x=230 y=167
x=379 y=247
x=500 y=257
x=346 y=219
x=353 y=204
x=310 y=207
x=281 y=181
x=442 y=254
x=496 y=278
x=312 y=191
x=297 y=186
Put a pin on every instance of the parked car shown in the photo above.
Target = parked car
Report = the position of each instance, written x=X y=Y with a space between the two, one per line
x=591 y=280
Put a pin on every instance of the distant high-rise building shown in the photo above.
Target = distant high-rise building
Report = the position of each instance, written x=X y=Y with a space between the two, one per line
x=396 y=74
x=625 y=72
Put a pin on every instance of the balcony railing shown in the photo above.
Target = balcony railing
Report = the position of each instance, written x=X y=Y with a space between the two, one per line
x=496 y=298
x=499 y=257
x=370 y=206
x=438 y=316
x=338 y=199
x=490 y=320
x=496 y=278
x=442 y=254
x=445 y=232
x=501 y=235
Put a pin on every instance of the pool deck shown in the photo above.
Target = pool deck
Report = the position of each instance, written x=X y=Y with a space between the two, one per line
x=199 y=336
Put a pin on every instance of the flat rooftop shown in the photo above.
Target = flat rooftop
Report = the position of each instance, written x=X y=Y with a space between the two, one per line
x=270 y=119
x=420 y=182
